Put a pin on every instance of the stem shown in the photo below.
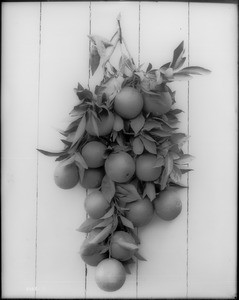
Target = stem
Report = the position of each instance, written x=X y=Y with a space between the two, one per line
x=110 y=54
x=127 y=49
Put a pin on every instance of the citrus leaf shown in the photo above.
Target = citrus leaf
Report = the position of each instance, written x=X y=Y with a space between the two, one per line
x=126 y=267
x=48 y=153
x=181 y=76
x=107 y=188
x=109 y=213
x=88 y=225
x=67 y=161
x=149 y=191
x=127 y=245
x=118 y=123
x=151 y=124
x=130 y=190
x=139 y=256
x=159 y=162
x=138 y=146
x=184 y=159
x=127 y=222
x=62 y=157
x=79 y=158
x=88 y=249
x=195 y=70
x=180 y=61
x=81 y=170
x=149 y=146
x=105 y=222
x=176 y=174
x=136 y=238
x=102 y=235
x=137 y=123
x=94 y=59
x=80 y=131
x=176 y=54
x=149 y=67
x=186 y=170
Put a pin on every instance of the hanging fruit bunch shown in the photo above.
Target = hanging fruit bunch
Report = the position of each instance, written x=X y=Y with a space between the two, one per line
x=123 y=147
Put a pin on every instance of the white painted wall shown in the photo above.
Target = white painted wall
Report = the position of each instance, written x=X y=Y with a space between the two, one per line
x=45 y=54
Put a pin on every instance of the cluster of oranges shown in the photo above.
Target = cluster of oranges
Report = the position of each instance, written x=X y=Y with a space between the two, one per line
x=123 y=147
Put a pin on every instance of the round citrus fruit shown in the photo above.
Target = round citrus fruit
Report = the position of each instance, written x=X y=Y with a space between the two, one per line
x=92 y=178
x=168 y=205
x=128 y=103
x=105 y=124
x=66 y=176
x=110 y=275
x=157 y=103
x=145 y=167
x=120 y=166
x=118 y=251
x=89 y=258
x=93 y=154
x=140 y=212
x=96 y=205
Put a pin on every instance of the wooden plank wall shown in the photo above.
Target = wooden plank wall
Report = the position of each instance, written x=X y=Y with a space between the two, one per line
x=45 y=54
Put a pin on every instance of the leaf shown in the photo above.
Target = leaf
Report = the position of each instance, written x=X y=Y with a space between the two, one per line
x=62 y=157
x=85 y=94
x=176 y=111
x=113 y=86
x=94 y=59
x=80 y=131
x=149 y=146
x=176 y=174
x=105 y=222
x=136 y=238
x=159 y=162
x=67 y=161
x=109 y=213
x=129 y=190
x=151 y=124
x=88 y=225
x=184 y=159
x=181 y=76
x=79 y=158
x=89 y=249
x=127 y=269
x=127 y=245
x=81 y=171
x=176 y=54
x=94 y=125
x=195 y=70
x=149 y=67
x=102 y=235
x=149 y=190
x=137 y=123
x=108 y=188
x=168 y=167
x=180 y=61
x=118 y=123
x=48 y=153
x=138 y=146
x=127 y=222
x=139 y=256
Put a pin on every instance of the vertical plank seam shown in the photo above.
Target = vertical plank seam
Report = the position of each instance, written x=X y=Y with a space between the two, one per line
x=137 y=231
x=188 y=146
x=86 y=269
x=37 y=175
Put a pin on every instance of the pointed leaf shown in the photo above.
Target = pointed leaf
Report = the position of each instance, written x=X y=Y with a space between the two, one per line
x=105 y=222
x=109 y=213
x=181 y=76
x=127 y=245
x=159 y=162
x=176 y=54
x=138 y=146
x=137 y=123
x=127 y=269
x=88 y=225
x=79 y=158
x=108 y=188
x=195 y=70
x=90 y=249
x=149 y=190
x=127 y=222
x=149 y=67
x=149 y=146
x=48 y=153
x=80 y=131
x=184 y=159
x=94 y=60
x=102 y=235
x=176 y=174
x=139 y=256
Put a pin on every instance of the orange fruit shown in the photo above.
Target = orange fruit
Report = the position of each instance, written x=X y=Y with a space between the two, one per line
x=167 y=205
x=140 y=212
x=105 y=124
x=128 y=103
x=95 y=258
x=120 y=166
x=96 y=205
x=157 y=103
x=145 y=169
x=66 y=176
x=110 y=275
x=119 y=252
x=92 y=178
x=93 y=154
